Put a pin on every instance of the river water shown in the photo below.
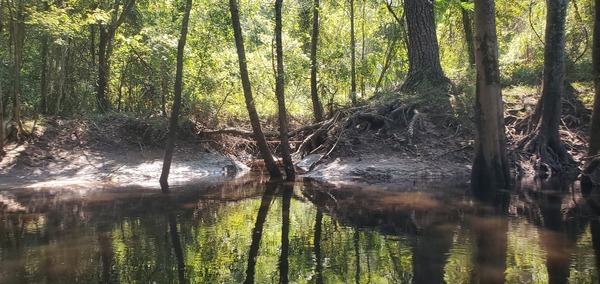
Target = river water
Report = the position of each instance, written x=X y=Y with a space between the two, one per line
x=245 y=230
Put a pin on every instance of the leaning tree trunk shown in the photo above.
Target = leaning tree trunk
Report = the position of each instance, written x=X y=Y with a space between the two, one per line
x=288 y=164
x=423 y=51
x=544 y=141
x=261 y=142
x=314 y=95
x=490 y=165
x=170 y=144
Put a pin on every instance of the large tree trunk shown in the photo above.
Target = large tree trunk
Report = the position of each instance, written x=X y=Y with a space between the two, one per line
x=261 y=142
x=467 y=21
x=423 y=51
x=544 y=142
x=352 y=55
x=170 y=144
x=288 y=164
x=490 y=165
x=314 y=95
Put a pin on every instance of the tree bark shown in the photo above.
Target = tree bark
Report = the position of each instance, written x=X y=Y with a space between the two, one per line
x=587 y=183
x=17 y=31
x=490 y=165
x=1 y=119
x=594 y=144
x=254 y=120
x=423 y=51
x=544 y=142
x=352 y=55
x=288 y=164
x=314 y=94
x=170 y=144
x=467 y=21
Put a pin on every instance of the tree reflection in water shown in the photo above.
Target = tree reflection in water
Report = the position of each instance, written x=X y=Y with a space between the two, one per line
x=239 y=230
x=261 y=217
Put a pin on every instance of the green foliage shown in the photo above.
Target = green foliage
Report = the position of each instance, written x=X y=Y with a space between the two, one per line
x=143 y=53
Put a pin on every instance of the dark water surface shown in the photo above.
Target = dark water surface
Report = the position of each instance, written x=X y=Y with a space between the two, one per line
x=231 y=231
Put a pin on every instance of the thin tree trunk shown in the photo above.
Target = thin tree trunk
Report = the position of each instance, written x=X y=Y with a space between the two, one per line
x=389 y=56
x=254 y=120
x=93 y=44
x=1 y=118
x=363 y=51
x=280 y=94
x=594 y=144
x=316 y=102
x=352 y=55
x=44 y=69
x=467 y=21
x=102 y=80
x=490 y=164
x=61 y=77
x=164 y=89
x=17 y=32
x=170 y=144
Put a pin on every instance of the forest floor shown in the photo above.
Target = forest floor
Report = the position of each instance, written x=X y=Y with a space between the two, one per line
x=385 y=144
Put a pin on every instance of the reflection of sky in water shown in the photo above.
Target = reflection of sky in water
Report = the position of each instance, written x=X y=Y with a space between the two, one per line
x=125 y=238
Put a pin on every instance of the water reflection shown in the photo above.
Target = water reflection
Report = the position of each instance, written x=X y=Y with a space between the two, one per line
x=247 y=231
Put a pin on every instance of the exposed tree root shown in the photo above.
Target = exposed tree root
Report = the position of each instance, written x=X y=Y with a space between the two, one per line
x=394 y=122
x=545 y=156
x=538 y=155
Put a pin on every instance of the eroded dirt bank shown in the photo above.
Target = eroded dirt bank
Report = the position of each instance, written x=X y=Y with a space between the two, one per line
x=116 y=151
x=69 y=153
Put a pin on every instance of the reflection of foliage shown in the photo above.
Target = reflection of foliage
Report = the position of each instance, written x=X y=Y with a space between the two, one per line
x=581 y=270
x=526 y=261
x=75 y=241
